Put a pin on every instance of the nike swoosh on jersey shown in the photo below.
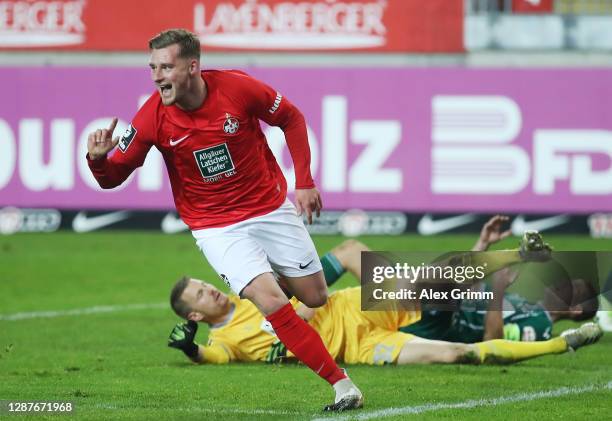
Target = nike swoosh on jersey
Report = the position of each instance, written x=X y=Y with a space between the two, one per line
x=428 y=226
x=176 y=142
x=172 y=224
x=520 y=225
x=84 y=223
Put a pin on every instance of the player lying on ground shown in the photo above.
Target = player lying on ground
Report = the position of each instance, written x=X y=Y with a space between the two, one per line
x=238 y=332
x=521 y=319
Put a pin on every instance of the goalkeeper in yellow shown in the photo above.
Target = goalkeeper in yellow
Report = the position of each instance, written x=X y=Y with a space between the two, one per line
x=238 y=332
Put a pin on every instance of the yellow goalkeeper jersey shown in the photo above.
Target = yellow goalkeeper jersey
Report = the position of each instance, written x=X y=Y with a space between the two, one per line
x=349 y=334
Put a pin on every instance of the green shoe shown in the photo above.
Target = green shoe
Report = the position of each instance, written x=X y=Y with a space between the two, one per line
x=533 y=248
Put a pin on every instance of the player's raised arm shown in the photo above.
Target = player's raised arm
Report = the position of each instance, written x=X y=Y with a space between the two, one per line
x=494 y=319
x=112 y=170
x=492 y=233
x=101 y=142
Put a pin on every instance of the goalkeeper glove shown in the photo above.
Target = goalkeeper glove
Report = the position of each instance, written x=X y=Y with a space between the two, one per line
x=182 y=337
x=277 y=352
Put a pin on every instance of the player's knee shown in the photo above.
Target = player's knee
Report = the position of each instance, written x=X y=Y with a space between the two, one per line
x=350 y=246
x=316 y=298
x=270 y=304
x=356 y=245
x=267 y=297
x=466 y=354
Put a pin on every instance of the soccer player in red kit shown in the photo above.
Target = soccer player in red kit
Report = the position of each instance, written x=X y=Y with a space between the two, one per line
x=229 y=189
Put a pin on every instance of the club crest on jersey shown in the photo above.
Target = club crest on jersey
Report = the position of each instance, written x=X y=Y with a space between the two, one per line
x=230 y=126
x=127 y=138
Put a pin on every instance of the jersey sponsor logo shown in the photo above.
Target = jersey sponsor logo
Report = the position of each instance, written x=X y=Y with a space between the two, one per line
x=126 y=139
x=84 y=223
x=428 y=226
x=214 y=162
x=230 y=125
x=176 y=142
x=276 y=104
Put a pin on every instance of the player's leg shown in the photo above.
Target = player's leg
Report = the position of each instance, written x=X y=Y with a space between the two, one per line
x=252 y=279
x=302 y=340
x=501 y=351
x=291 y=254
x=497 y=351
x=344 y=257
x=310 y=289
x=265 y=293
x=426 y=351
x=532 y=248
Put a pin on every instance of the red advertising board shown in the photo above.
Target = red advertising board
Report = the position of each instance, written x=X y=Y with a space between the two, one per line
x=236 y=25
x=532 y=6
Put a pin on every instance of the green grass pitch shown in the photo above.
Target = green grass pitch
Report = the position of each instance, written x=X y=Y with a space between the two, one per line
x=115 y=364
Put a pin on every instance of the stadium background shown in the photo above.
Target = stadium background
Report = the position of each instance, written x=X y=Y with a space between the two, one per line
x=425 y=117
x=418 y=108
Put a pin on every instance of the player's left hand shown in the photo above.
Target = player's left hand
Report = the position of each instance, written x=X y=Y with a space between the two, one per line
x=277 y=352
x=309 y=201
x=183 y=334
x=492 y=233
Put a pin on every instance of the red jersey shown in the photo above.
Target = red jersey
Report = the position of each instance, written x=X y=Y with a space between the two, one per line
x=220 y=166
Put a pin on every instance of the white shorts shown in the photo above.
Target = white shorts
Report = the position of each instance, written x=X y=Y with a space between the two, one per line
x=276 y=242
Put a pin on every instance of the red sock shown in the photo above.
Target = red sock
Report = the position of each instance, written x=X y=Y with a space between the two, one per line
x=305 y=343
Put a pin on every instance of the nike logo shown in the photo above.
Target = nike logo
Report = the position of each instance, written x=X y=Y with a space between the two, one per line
x=428 y=226
x=171 y=224
x=519 y=225
x=306 y=265
x=84 y=223
x=176 y=142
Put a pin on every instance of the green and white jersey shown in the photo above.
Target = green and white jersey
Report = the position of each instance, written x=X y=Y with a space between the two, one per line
x=523 y=321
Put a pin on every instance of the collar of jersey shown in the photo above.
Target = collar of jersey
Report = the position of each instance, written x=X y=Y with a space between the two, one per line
x=196 y=119
x=226 y=320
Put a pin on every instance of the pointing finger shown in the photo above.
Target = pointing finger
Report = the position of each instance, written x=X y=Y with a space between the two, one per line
x=113 y=124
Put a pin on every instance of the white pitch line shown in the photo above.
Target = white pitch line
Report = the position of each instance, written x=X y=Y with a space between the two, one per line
x=225 y=411
x=220 y=411
x=80 y=311
x=473 y=403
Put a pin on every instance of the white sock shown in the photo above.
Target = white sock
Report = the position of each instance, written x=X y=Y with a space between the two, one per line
x=343 y=386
